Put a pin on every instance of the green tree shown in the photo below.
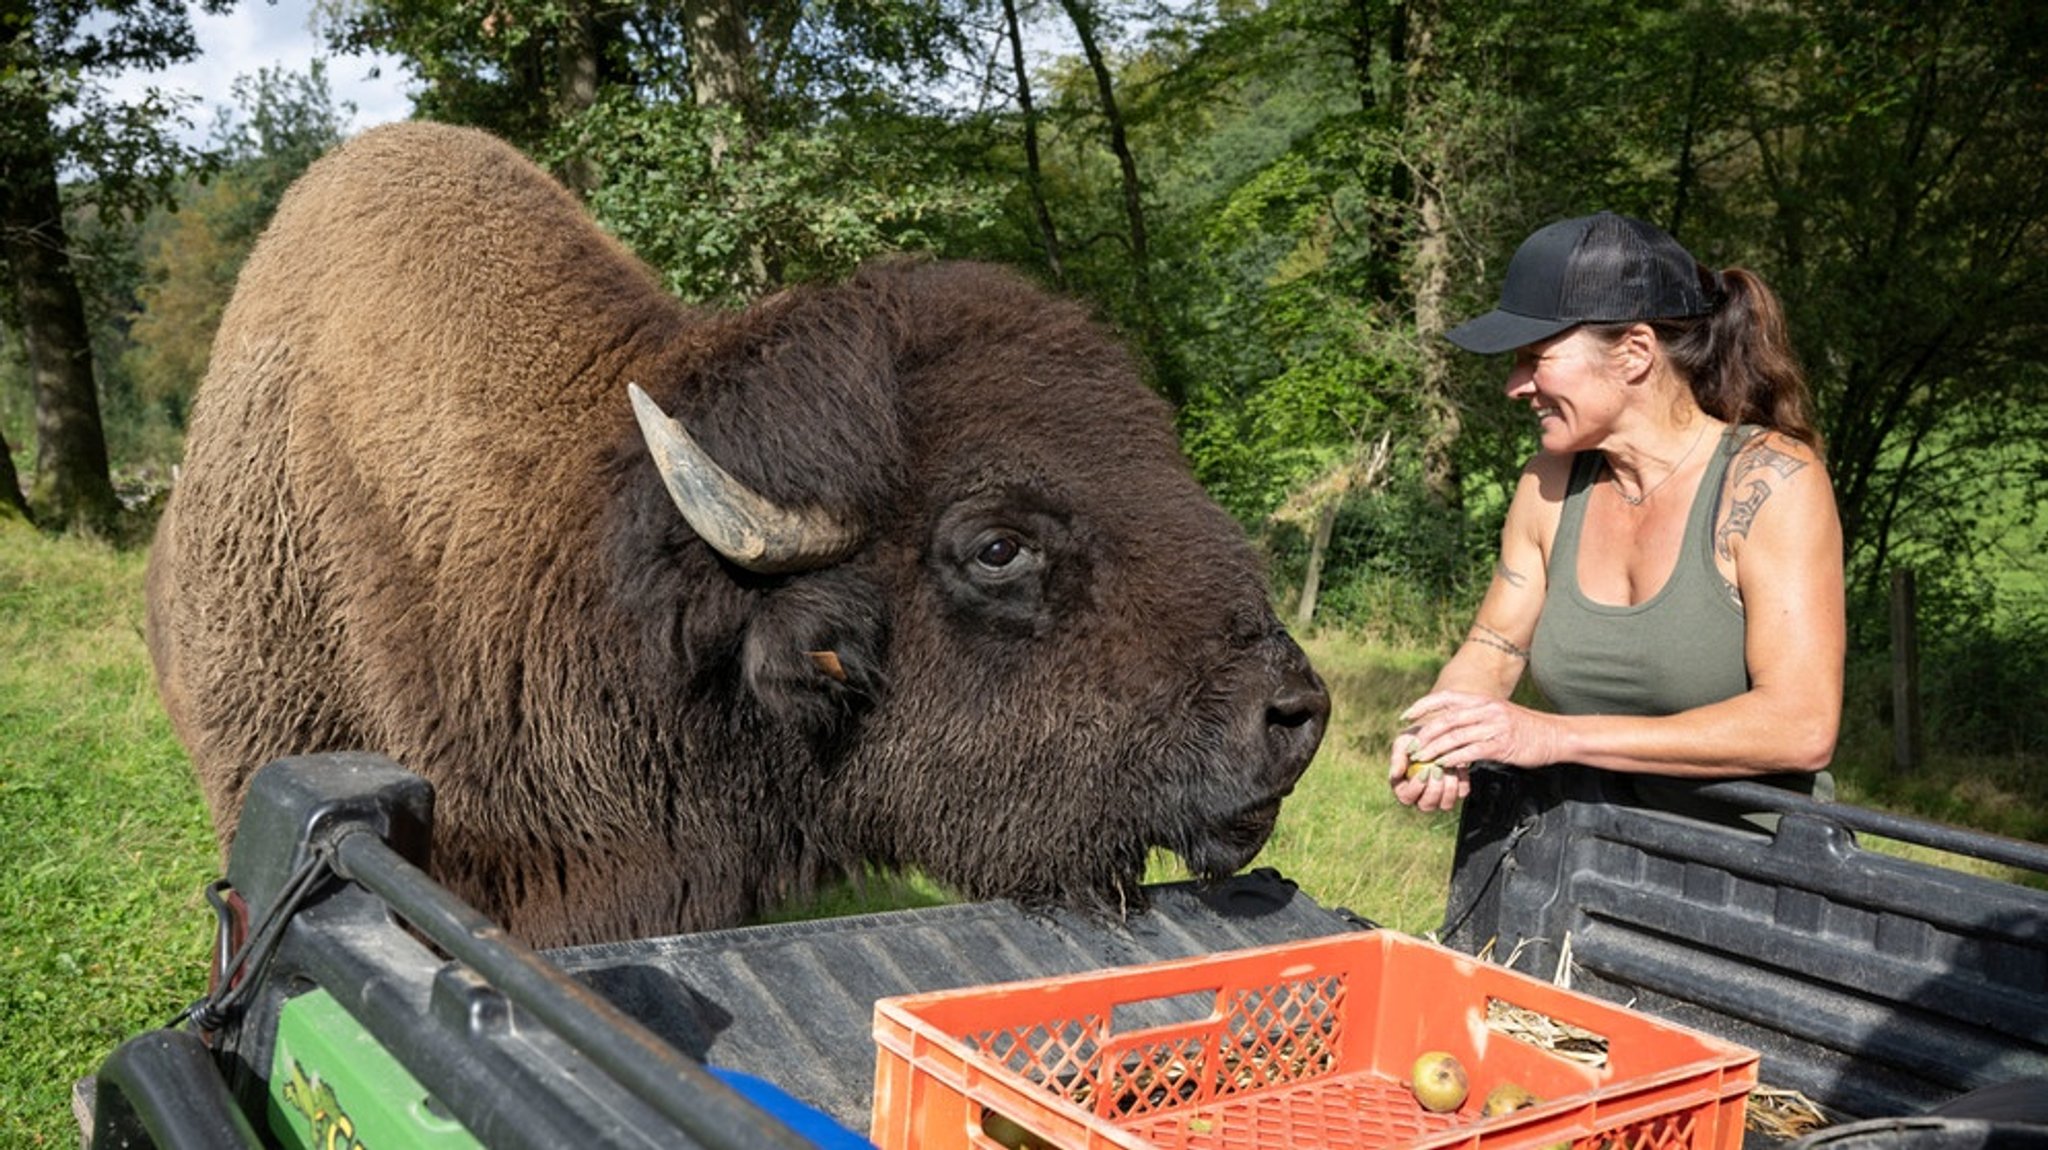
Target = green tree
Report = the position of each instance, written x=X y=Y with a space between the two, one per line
x=1311 y=224
x=1901 y=178
x=1034 y=170
x=281 y=123
x=737 y=146
x=460 y=54
x=526 y=69
x=189 y=268
x=1885 y=167
x=1086 y=23
x=813 y=204
x=53 y=118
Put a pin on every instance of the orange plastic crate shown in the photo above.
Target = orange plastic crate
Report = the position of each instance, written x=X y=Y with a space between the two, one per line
x=1303 y=1045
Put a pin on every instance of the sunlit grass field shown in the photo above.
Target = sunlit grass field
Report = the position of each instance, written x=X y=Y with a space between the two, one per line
x=105 y=848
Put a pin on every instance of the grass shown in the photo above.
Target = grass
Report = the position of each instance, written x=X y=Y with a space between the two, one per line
x=105 y=849
x=104 y=846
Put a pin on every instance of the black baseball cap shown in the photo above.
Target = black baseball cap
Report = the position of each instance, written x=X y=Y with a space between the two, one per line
x=1602 y=268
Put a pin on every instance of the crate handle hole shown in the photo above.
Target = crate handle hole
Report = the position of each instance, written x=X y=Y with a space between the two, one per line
x=1001 y=1130
x=1553 y=1035
x=1163 y=1011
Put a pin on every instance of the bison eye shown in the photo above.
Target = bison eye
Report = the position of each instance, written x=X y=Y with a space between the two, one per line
x=1003 y=556
x=995 y=561
x=999 y=552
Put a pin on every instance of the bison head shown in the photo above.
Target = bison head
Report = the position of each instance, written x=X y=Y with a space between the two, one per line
x=1009 y=637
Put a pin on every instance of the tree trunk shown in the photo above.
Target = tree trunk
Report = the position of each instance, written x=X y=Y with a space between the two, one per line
x=1429 y=264
x=1119 y=144
x=1048 y=235
x=1365 y=470
x=1358 y=46
x=12 y=504
x=1688 y=162
x=1133 y=193
x=1431 y=256
x=1318 y=548
x=71 y=485
x=1908 y=745
x=721 y=55
x=576 y=65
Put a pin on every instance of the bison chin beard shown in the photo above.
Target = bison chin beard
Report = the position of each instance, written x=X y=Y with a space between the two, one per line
x=1221 y=849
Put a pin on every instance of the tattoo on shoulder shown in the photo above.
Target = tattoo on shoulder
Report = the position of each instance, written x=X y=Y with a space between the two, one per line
x=1488 y=637
x=1760 y=455
x=1509 y=575
x=1750 y=476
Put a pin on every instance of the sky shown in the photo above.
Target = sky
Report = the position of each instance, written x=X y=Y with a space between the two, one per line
x=256 y=34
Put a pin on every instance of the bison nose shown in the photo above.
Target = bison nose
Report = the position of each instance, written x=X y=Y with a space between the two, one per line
x=1297 y=713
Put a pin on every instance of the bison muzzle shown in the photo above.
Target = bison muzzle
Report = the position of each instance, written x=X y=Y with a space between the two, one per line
x=684 y=611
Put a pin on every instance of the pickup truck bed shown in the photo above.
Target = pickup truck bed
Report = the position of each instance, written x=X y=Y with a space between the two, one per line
x=1874 y=985
x=794 y=1003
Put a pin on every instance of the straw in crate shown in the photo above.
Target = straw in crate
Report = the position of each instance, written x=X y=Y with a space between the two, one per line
x=1303 y=1045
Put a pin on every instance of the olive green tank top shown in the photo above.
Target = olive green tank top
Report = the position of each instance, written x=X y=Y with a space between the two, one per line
x=1679 y=649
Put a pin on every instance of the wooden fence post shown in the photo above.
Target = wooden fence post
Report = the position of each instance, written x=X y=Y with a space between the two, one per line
x=1907 y=742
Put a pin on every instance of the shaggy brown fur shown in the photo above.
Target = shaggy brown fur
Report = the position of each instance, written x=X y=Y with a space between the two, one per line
x=416 y=517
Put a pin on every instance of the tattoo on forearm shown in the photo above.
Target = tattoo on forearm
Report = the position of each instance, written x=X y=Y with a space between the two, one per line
x=1509 y=575
x=1487 y=636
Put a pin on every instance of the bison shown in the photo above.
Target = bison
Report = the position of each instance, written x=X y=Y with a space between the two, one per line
x=685 y=611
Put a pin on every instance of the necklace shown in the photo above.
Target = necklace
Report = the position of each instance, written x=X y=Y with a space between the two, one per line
x=1638 y=500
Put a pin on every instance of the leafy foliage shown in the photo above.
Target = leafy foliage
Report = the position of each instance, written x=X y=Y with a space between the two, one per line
x=283 y=122
x=1321 y=182
x=810 y=203
x=191 y=272
x=53 y=54
x=1293 y=351
x=1892 y=185
x=55 y=118
x=480 y=62
x=498 y=64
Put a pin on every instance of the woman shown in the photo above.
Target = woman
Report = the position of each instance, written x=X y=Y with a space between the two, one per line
x=1670 y=571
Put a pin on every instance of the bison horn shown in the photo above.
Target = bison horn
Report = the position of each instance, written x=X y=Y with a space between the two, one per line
x=738 y=522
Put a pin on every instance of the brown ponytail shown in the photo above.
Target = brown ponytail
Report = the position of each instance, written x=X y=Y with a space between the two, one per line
x=1738 y=358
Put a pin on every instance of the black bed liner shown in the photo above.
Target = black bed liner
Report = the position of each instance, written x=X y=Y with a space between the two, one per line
x=1873 y=984
x=794 y=1003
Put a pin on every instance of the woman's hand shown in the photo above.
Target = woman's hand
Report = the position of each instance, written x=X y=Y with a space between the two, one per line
x=1422 y=784
x=1453 y=730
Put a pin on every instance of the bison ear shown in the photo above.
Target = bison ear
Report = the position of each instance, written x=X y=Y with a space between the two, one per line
x=813 y=652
